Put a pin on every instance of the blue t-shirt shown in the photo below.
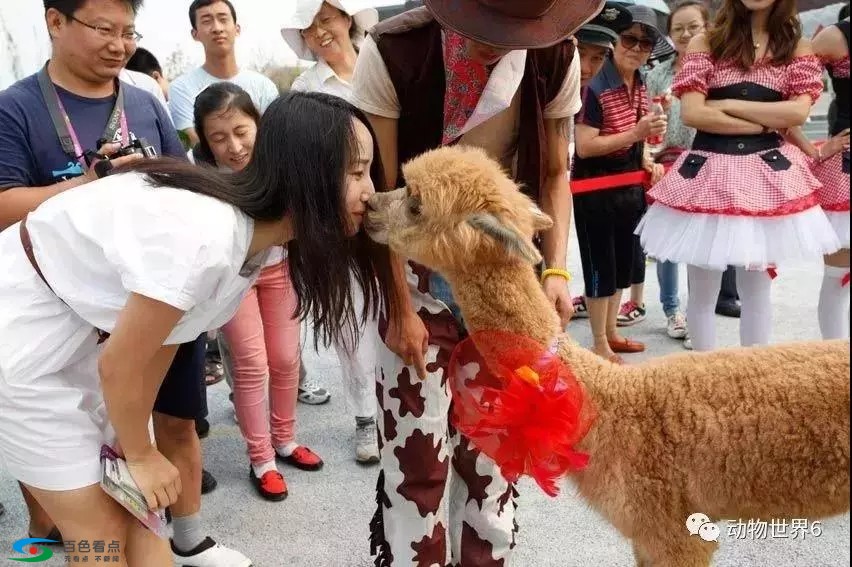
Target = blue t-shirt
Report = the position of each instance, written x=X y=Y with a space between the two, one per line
x=31 y=154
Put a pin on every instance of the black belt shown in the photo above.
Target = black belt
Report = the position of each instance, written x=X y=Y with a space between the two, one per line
x=736 y=145
x=28 y=250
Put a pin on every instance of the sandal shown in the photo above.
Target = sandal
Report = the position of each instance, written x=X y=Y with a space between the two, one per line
x=214 y=371
x=626 y=346
x=613 y=358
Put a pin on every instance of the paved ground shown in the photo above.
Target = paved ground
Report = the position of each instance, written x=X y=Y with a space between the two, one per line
x=324 y=522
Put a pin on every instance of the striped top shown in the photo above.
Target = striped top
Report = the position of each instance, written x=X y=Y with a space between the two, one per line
x=610 y=107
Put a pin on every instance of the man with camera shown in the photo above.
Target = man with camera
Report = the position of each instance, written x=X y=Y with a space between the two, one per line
x=70 y=124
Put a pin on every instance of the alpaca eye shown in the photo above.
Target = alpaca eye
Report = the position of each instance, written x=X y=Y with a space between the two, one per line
x=414 y=207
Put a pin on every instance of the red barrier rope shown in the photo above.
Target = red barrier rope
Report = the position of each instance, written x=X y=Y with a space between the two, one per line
x=604 y=182
x=610 y=182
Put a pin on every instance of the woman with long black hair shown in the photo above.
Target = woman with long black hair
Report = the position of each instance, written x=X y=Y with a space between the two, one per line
x=100 y=283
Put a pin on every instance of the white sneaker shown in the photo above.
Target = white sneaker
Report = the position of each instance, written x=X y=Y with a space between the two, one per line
x=210 y=554
x=312 y=393
x=676 y=326
x=366 y=444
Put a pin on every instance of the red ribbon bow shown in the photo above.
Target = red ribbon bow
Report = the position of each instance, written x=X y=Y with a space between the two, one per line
x=520 y=405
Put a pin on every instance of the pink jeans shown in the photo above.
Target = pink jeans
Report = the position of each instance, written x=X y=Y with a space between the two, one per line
x=264 y=339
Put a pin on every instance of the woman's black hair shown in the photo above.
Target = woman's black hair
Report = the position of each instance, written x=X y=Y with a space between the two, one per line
x=218 y=98
x=306 y=144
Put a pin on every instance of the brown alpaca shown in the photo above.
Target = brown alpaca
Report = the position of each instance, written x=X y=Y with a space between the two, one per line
x=737 y=433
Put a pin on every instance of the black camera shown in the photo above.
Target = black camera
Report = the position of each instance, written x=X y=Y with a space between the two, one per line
x=102 y=164
x=137 y=146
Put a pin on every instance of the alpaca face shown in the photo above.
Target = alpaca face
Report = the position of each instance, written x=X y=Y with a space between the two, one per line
x=458 y=210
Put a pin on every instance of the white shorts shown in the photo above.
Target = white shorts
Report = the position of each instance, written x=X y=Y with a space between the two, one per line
x=52 y=415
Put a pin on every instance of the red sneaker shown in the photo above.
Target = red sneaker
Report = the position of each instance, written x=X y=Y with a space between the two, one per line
x=270 y=486
x=303 y=458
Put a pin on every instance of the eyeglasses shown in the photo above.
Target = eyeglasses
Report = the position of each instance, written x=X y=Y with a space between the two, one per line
x=631 y=41
x=323 y=23
x=109 y=33
x=693 y=28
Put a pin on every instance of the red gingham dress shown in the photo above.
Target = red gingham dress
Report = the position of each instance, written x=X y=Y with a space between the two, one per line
x=834 y=194
x=744 y=184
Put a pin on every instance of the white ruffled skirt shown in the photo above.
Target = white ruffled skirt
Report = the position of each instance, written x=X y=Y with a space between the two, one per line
x=840 y=221
x=716 y=241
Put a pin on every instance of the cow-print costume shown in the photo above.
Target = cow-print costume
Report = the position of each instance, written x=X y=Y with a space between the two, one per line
x=440 y=501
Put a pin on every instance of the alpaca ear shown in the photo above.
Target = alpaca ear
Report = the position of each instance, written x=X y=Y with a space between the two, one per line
x=506 y=236
x=541 y=221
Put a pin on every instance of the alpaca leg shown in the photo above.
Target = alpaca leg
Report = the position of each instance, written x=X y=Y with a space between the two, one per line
x=669 y=544
x=642 y=559
x=756 y=318
x=701 y=306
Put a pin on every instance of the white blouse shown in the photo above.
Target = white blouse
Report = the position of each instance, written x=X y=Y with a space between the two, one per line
x=98 y=243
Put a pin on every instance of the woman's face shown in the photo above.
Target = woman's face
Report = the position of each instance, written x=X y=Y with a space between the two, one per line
x=359 y=184
x=633 y=48
x=230 y=135
x=328 y=35
x=686 y=24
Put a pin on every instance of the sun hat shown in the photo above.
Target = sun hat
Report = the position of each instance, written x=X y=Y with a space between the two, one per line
x=647 y=17
x=363 y=18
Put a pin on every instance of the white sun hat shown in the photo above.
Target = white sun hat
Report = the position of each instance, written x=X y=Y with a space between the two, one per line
x=363 y=18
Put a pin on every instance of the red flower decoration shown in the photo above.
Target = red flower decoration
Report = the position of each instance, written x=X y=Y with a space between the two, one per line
x=521 y=405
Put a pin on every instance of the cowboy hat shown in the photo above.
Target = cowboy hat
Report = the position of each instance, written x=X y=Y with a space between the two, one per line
x=514 y=24
x=603 y=30
x=363 y=18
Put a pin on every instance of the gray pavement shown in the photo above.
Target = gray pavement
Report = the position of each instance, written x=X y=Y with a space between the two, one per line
x=324 y=522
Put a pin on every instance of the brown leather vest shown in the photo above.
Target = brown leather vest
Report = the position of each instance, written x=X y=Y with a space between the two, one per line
x=411 y=47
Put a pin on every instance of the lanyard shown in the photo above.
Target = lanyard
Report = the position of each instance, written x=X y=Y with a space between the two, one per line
x=62 y=122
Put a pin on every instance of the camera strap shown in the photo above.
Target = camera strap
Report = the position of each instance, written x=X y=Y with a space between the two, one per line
x=62 y=122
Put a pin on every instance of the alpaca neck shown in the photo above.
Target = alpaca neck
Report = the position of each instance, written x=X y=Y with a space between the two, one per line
x=507 y=298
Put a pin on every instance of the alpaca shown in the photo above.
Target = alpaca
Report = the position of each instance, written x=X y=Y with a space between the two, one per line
x=738 y=433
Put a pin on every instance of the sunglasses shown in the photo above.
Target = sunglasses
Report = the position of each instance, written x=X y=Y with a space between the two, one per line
x=630 y=41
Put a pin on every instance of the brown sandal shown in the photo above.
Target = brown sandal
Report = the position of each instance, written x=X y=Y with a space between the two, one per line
x=626 y=346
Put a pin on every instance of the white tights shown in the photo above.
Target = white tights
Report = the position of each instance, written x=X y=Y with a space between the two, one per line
x=833 y=309
x=756 y=314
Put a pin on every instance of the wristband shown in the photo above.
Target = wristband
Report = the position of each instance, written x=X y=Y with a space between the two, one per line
x=555 y=272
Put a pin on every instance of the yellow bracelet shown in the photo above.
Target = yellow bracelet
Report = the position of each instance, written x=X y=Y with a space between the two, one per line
x=555 y=272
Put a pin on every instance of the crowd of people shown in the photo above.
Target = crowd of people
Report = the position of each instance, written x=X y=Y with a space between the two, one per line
x=158 y=236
